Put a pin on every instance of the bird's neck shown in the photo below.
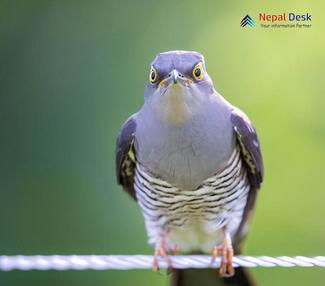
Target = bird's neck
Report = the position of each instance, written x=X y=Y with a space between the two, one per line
x=174 y=109
x=177 y=106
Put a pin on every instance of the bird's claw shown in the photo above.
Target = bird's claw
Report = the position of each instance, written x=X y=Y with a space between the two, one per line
x=226 y=251
x=162 y=252
x=175 y=250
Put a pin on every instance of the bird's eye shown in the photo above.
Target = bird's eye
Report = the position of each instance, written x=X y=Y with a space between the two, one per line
x=197 y=72
x=153 y=75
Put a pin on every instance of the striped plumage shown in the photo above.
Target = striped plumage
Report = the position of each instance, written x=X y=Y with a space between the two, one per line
x=220 y=200
x=191 y=160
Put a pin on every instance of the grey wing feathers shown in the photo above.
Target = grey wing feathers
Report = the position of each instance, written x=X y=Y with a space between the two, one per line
x=125 y=156
x=250 y=147
x=251 y=154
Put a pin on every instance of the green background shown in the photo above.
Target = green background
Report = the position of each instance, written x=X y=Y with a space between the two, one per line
x=72 y=71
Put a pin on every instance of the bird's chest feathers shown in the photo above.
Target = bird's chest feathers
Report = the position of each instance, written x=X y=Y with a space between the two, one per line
x=183 y=154
x=181 y=157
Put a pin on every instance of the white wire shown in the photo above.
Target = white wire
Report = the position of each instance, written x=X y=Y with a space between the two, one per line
x=125 y=262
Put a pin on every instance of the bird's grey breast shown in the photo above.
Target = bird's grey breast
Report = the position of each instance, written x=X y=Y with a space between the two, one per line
x=185 y=155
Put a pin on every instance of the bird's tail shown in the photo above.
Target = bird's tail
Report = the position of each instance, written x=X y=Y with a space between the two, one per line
x=210 y=277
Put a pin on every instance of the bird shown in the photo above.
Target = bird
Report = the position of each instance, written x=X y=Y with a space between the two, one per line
x=192 y=161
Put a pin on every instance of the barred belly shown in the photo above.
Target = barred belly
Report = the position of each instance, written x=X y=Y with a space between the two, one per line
x=193 y=219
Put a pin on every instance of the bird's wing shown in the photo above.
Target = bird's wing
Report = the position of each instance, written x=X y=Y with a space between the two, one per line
x=251 y=154
x=250 y=147
x=125 y=156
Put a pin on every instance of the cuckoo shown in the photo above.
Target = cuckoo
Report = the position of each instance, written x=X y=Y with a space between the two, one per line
x=191 y=160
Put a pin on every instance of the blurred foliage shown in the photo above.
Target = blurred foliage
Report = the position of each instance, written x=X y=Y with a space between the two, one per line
x=72 y=71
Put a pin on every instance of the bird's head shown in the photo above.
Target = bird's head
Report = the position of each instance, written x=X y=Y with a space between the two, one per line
x=178 y=85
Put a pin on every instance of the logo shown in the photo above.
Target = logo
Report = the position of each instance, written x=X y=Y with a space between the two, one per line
x=247 y=20
x=278 y=20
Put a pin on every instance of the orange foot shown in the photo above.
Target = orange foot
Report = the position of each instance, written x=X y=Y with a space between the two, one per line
x=160 y=250
x=175 y=250
x=225 y=249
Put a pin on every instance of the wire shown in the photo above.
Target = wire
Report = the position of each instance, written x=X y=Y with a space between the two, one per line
x=125 y=262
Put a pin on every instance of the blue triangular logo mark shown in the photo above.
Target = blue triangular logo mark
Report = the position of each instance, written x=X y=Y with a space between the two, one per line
x=247 y=20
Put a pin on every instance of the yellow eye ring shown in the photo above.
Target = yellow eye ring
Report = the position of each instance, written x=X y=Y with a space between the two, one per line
x=153 y=75
x=197 y=72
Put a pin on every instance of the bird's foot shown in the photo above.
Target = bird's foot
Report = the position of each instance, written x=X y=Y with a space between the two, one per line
x=161 y=251
x=226 y=251
x=175 y=250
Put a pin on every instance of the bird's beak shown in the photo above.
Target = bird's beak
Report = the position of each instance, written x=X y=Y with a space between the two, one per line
x=174 y=76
